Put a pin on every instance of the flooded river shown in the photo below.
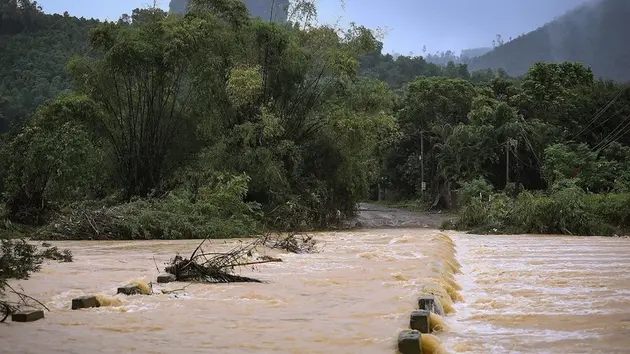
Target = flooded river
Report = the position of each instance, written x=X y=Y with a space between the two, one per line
x=542 y=294
x=521 y=294
x=353 y=297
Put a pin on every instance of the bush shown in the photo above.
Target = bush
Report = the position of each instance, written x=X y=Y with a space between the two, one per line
x=212 y=211
x=478 y=189
x=566 y=210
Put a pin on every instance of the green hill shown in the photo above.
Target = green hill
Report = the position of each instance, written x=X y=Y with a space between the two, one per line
x=33 y=55
x=594 y=34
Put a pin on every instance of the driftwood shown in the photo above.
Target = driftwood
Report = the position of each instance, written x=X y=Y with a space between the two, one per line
x=291 y=242
x=215 y=267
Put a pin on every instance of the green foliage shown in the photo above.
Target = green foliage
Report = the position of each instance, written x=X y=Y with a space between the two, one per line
x=214 y=209
x=35 y=49
x=51 y=160
x=142 y=80
x=476 y=189
x=566 y=210
x=593 y=172
x=19 y=259
x=307 y=120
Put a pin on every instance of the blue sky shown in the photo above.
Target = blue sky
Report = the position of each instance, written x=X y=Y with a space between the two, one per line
x=438 y=24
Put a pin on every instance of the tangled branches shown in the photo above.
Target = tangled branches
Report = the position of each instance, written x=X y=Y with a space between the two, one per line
x=291 y=242
x=215 y=267
x=18 y=259
x=87 y=224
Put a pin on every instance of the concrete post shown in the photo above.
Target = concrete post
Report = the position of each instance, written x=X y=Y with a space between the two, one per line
x=85 y=302
x=27 y=316
x=409 y=342
x=166 y=278
x=430 y=303
x=130 y=289
x=420 y=320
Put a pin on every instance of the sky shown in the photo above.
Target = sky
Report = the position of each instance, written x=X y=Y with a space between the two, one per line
x=439 y=25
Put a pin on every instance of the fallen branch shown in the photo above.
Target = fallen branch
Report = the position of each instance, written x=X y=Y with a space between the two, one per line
x=18 y=259
x=214 y=267
x=9 y=307
x=5 y=311
x=165 y=291
x=292 y=242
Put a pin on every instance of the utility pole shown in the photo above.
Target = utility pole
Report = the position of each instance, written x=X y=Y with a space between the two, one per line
x=510 y=143
x=423 y=186
x=507 y=162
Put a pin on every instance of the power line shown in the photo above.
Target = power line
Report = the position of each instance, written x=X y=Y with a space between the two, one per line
x=612 y=136
x=600 y=112
x=610 y=117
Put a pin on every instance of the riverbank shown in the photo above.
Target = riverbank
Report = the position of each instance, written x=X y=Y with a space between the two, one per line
x=123 y=223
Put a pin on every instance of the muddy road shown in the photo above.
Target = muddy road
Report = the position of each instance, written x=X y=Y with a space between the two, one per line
x=376 y=216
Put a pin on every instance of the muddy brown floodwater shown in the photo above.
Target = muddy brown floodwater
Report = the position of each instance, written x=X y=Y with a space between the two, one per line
x=542 y=294
x=521 y=294
x=353 y=297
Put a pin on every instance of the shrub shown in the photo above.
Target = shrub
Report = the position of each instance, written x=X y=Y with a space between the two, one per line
x=566 y=210
x=478 y=188
x=216 y=210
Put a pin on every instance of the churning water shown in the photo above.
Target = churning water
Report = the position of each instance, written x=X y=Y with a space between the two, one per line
x=516 y=294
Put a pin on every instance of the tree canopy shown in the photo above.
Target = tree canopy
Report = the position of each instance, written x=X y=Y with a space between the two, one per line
x=218 y=123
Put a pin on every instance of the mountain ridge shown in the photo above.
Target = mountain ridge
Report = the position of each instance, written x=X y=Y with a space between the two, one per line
x=592 y=34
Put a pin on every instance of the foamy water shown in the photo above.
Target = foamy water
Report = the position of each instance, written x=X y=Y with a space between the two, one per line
x=354 y=297
x=542 y=294
x=515 y=294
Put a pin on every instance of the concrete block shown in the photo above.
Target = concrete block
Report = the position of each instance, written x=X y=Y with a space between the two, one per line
x=85 y=302
x=409 y=342
x=420 y=320
x=166 y=278
x=430 y=303
x=129 y=289
x=27 y=316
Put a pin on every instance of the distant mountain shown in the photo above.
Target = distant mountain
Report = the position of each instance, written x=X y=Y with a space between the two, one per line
x=258 y=8
x=595 y=34
x=474 y=52
x=34 y=50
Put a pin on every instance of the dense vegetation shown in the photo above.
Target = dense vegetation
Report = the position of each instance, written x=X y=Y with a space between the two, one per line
x=214 y=124
x=34 y=52
x=275 y=10
x=197 y=125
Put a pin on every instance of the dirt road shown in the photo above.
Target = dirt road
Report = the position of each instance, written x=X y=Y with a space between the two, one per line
x=379 y=216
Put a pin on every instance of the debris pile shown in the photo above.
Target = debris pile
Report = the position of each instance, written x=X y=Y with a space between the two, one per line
x=215 y=267
x=292 y=242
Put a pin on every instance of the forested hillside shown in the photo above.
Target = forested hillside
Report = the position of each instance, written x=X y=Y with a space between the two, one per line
x=594 y=34
x=216 y=124
x=33 y=56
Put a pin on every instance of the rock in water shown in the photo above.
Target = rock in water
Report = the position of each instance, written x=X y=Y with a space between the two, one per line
x=27 y=316
x=85 y=302
x=166 y=278
x=409 y=342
